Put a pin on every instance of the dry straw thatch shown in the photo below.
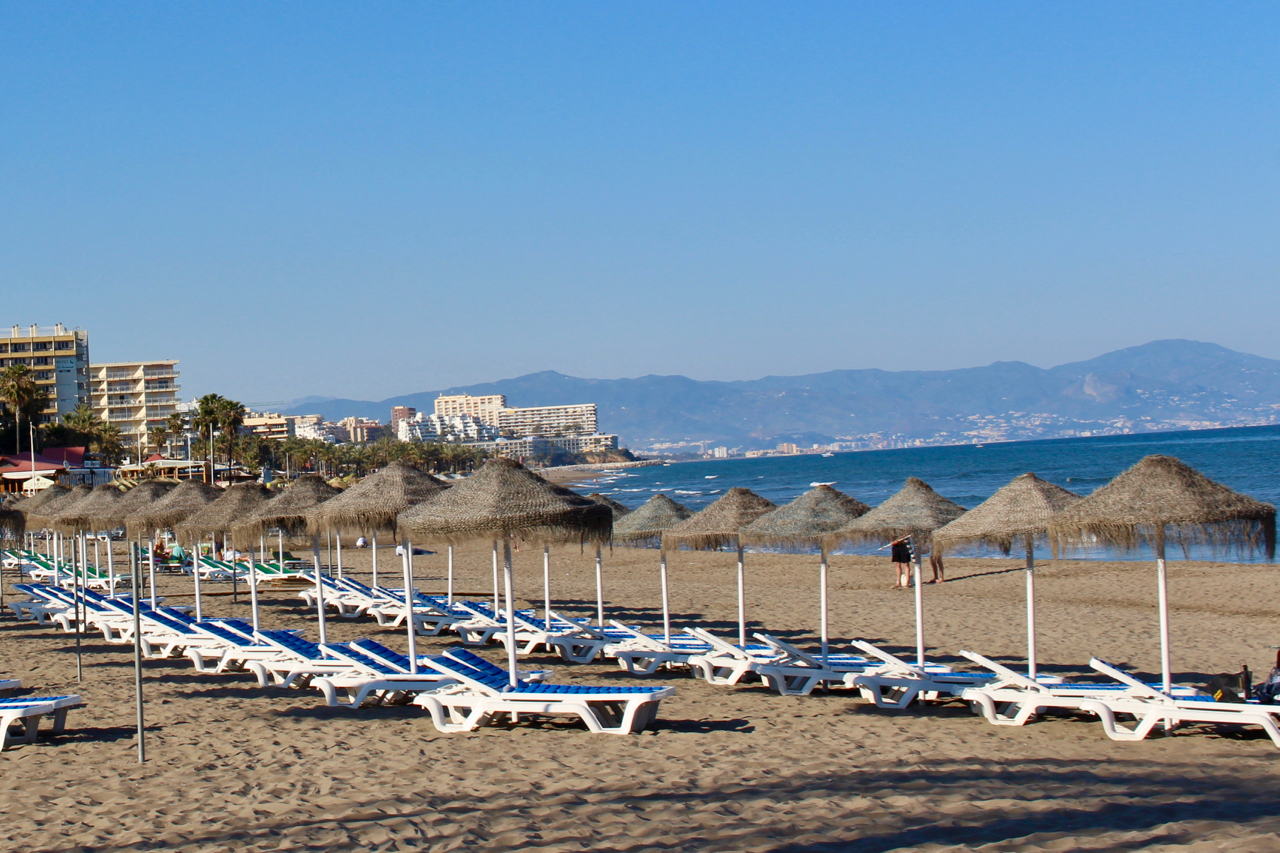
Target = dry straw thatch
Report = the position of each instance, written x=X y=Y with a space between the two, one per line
x=806 y=520
x=28 y=505
x=719 y=524
x=12 y=524
x=506 y=500
x=143 y=494
x=646 y=525
x=1020 y=509
x=618 y=509
x=374 y=503
x=236 y=504
x=915 y=511
x=49 y=511
x=87 y=514
x=171 y=510
x=1163 y=499
x=288 y=510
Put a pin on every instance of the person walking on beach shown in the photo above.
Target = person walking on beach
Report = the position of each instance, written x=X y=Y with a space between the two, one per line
x=900 y=554
x=935 y=562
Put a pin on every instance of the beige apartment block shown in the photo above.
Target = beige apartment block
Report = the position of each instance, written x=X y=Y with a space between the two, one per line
x=548 y=421
x=268 y=425
x=485 y=409
x=136 y=396
x=59 y=358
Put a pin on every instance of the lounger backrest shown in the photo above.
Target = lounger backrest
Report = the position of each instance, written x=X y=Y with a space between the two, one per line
x=220 y=632
x=787 y=649
x=354 y=656
x=384 y=655
x=294 y=644
x=1124 y=678
x=882 y=655
x=478 y=669
x=1004 y=672
x=716 y=643
x=237 y=626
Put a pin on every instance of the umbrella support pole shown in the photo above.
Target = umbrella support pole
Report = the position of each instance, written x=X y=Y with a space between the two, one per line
x=919 y=612
x=375 y=561
x=1031 y=611
x=77 y=575
x=407 y=562
x=599 y=588
x=338 y=537
x=111 y=567
x=450 y=591
x=315 y=559
x=135 y=571
x=822 y=605
x=1162 y=580
x=253 y=590
x=151 y=569
x=511 y=609
x=497 y=604
x=546 y=585
x=742 y=600
x=195 y=574
x=666 y=601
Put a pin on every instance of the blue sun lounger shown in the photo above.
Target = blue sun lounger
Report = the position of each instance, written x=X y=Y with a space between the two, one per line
x=27 y=711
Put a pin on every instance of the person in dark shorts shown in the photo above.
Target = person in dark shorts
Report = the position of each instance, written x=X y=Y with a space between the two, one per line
x=900 y=554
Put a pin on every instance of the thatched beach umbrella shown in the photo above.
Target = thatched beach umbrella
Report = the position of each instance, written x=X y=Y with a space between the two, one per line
x=1020 y=510
x=644 y=527
x=503 y=499
x=808 y=520
x=618 y=512
x=221 y=516
x=372 y=505
x=30 y=504
x=915 y=511
x=718 y=525
x=175 y=507
x=88 y=515
x=46 y=513
x=1160 y=499
x=288 y=513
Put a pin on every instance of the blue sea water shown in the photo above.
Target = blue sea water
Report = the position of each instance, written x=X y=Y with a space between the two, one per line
x=1246 y=459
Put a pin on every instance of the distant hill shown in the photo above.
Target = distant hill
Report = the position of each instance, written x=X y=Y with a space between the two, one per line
x=1173 y=384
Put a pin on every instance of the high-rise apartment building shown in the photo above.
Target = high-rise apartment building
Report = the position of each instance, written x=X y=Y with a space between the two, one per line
x=136 y=396
x=59 y=358
x=398 y=414
x=486 y=409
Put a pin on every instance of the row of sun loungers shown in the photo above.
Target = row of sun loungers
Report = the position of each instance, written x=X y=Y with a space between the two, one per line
x=458 y=689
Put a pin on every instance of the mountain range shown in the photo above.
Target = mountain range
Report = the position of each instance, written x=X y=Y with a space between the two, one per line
x=1169 y=384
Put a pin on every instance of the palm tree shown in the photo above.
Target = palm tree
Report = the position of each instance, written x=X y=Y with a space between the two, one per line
x=22 y=396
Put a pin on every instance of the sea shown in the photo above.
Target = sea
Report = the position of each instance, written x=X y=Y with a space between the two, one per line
x=1245 y=458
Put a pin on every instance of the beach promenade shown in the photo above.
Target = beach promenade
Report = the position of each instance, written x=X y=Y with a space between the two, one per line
x=235 y=766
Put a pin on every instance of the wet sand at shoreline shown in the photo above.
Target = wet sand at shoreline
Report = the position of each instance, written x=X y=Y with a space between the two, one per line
x=234 y=766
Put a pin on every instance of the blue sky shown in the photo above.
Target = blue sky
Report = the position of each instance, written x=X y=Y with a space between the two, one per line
x=363 y=200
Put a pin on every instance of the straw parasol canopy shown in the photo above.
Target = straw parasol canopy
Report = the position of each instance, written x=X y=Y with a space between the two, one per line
x=237 y=503
x=288 y=510
x=87 y=514
x=1163 y=499
x=807 y=519
x=168 y=512
x=49 y=510
x=142 y=495
x=506 y=500
x=1022 y=508
x=618 y=509
x=12 y=523
x=374 y=503
x=32 y=503
x=649 y=522
x=719 y=523
x=916 y=511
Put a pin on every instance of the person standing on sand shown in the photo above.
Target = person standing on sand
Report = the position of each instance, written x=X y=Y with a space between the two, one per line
x=900 y=554
x=935 y=562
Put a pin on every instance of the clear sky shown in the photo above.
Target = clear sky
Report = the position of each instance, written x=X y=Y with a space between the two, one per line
x=363 y=200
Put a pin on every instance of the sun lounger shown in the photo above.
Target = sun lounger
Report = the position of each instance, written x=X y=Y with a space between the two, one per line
x=896 y=683
x=797 y=673
x=484 y=693
x=727 y=664
x=27 y=711
x=7 y=684
x=376 y=676
x=644 y=654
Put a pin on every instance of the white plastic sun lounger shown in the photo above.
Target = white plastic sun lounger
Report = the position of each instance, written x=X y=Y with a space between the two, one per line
x=644 y=654
x=376 y=676
x=897 y=683
x=797 y=673
x=27 y=711
x=484 y=693
x=296 y=663
x=727 y=664
x=7 y=684
x=1014 y=699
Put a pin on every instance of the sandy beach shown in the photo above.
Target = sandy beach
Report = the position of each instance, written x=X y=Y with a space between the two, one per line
x=236 y=767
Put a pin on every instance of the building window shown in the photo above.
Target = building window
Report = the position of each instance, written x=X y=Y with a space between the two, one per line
x=41 y=346
x=22 y=347
x=64 y=345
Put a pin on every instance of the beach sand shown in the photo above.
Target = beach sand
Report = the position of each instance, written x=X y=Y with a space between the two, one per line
x=235 y=767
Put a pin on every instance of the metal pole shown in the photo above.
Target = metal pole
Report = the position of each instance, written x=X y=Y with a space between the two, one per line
x=135 y=570
x=919 y=611
x=196 y=575
x=742 y=600
x=599 y=588
x=375 y=560
x=111 y=564
x=339 y=538
x=822 y=604
x=235 y=584
x=1031 y=609
x=315 y=556
x=151 y=568
x=407 y=565
x=1166 y=669
x=75 y=581
x=253 y=590
x=666 y=601
x=328 y=536
x=546 y=585
x=496 y=604
x=511 y=609
x=449 y=599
